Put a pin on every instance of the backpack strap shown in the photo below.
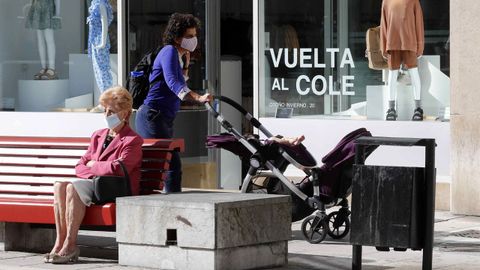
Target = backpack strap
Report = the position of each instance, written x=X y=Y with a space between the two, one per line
x=154 y=55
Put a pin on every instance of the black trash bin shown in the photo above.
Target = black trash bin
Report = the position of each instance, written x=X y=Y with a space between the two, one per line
x=388 y=208
x=393 y=207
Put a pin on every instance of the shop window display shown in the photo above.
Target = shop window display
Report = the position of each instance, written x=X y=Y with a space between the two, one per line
x=312 y=61
x=44 y=55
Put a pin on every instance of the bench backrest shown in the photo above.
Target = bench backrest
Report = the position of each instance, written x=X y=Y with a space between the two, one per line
x=29 y=166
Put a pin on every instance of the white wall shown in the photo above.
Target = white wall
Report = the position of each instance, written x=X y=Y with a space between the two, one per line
x=322 y=135
x=50 y=124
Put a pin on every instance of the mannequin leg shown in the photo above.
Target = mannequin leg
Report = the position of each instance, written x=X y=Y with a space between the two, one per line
x=392 y=95
x=49 y=73
x=416 y=83
x=42 y=52
x=417 y=87
x=50 y=41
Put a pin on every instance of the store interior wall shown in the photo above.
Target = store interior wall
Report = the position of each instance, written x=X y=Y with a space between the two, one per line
x=18 y=46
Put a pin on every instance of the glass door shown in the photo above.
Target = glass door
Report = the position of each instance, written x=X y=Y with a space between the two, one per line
x=146 y=21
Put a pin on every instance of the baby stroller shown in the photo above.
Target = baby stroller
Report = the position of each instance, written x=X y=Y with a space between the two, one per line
x=321 y=188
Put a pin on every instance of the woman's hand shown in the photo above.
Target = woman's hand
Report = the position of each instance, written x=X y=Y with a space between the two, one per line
x=205 y=98
x=198 y=98
x=187 y=60
x=90 y=163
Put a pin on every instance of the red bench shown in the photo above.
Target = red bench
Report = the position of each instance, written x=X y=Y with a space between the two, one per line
x=29 y=167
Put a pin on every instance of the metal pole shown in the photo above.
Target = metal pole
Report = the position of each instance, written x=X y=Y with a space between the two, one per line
x=429 y=204
x=357 y=249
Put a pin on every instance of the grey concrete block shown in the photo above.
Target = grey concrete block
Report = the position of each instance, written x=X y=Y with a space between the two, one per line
x=204 y=230
x=174 y=257
x=204 y=220
x=24 y=237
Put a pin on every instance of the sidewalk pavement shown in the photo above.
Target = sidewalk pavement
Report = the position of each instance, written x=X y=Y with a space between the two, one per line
x=457 y=246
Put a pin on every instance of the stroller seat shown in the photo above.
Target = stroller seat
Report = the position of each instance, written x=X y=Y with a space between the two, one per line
x=298 y=155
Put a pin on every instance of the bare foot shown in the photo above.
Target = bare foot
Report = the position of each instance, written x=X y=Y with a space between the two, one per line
x=290 y=141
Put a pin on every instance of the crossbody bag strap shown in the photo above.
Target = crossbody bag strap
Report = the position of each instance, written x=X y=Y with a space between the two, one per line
x=125 y=174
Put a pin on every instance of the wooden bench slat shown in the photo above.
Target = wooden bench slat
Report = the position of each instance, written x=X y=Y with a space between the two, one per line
x=26 y=198
x=12 y=179
x=46 y=162
x=154 y=175
x=45 y=140
x=54 y=153
x=102 y=215
x=160 y=164
x=33 y=171
x=165 y=144
x=26 y=189
x=156 y=154
x=35 y=145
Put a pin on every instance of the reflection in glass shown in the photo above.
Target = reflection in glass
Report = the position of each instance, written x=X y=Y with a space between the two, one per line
x=302 y=47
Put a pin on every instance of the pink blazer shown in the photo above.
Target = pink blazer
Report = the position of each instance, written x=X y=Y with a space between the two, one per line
x=126 y=146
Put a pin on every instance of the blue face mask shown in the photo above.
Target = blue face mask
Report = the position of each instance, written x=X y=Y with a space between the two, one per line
x=112 y=121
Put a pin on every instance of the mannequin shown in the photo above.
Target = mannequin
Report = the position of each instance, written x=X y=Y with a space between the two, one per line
x=402 y=41
x=101 y=15
x=44 y=16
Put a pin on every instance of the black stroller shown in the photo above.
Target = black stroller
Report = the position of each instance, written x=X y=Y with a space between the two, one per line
x=321 y=188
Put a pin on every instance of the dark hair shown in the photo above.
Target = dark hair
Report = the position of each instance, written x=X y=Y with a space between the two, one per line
x=178 y=25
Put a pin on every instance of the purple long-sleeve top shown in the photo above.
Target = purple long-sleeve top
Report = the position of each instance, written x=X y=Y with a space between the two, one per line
x=169 y=87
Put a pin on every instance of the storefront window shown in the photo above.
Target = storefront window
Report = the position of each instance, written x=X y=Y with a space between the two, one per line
x=44 y=58
x=147 y=20
x=312 y=62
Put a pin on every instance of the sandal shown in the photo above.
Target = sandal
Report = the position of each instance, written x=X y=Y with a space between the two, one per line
x=49 y=74
x=48 y=257
x=391 y=115
x=417 y=114
x=39 y=74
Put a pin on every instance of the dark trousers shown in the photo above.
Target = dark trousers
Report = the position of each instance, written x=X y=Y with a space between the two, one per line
x=151 y=124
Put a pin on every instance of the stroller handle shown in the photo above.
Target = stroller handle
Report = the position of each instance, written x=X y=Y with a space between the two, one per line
x=239 y=108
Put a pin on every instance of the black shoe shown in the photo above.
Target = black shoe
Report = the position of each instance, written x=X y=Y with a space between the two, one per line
x=417 y=114
x=391 y=115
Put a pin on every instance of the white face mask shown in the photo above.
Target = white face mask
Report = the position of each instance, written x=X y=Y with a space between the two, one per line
x=112 y=121
x=189 y=43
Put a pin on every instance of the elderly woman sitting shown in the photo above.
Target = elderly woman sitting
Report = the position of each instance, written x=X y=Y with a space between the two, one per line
x=107 y=146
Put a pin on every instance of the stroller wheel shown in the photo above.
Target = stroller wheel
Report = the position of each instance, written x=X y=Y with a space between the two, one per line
x=314 y=229
x=338 y=225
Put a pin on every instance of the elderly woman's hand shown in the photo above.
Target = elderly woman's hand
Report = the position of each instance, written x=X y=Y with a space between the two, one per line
x=90 y=163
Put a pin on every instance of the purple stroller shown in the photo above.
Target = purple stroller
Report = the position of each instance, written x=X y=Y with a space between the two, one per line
x=321 y=188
